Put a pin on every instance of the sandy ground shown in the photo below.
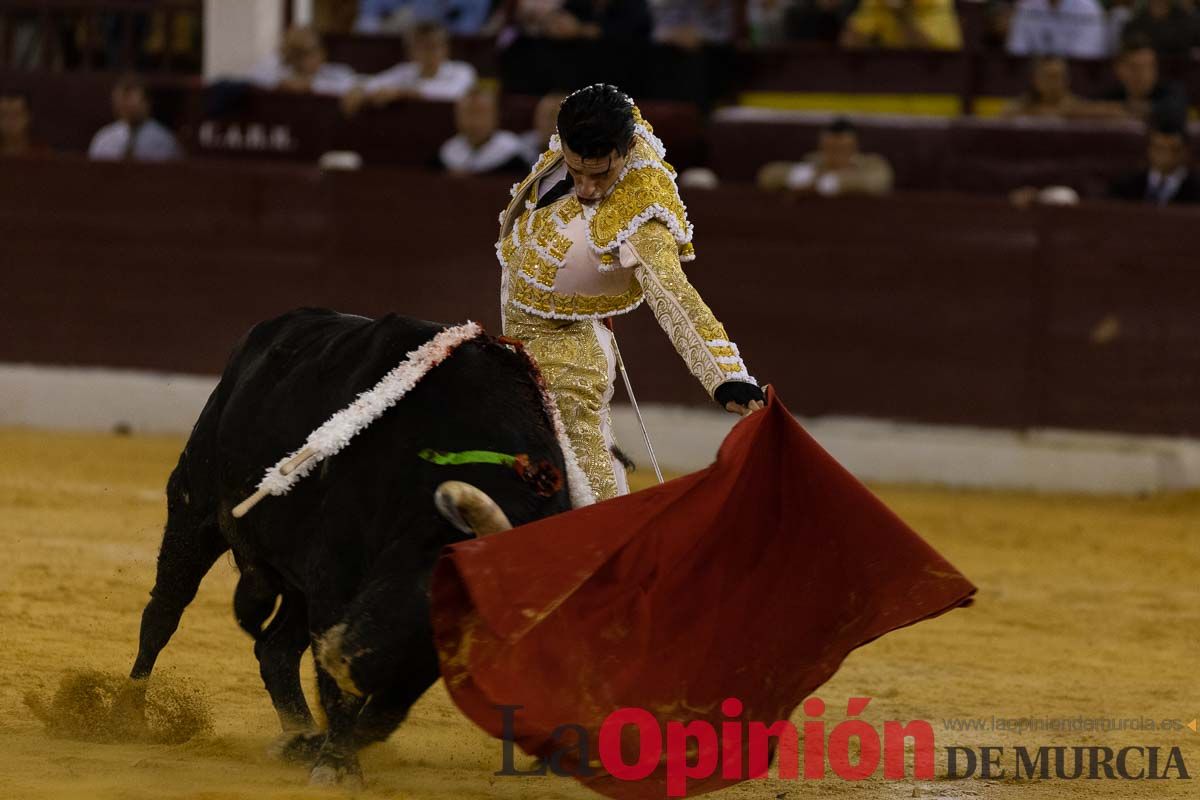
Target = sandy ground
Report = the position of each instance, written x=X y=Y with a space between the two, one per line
x=1087 y=608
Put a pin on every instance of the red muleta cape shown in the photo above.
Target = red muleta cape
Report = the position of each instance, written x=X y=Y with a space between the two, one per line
x=752 y=578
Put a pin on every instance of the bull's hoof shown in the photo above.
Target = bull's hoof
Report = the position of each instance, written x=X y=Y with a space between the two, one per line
x=343 y=772
x=297 y=748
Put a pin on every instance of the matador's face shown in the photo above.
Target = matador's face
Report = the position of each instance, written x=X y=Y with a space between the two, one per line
x=593 y=177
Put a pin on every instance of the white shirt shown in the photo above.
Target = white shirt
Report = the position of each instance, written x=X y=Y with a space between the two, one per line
x=451 y=81
x=331 y=79
x=458 y=155
x=152 y=142
x=1161 y=188
x=1071 y=29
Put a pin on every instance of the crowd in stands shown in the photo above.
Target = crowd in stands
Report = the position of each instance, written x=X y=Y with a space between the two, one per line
x=1067 y=28
x=1136 y=36
x=1138 y=90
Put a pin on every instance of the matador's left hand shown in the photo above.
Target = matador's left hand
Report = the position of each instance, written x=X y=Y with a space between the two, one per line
x=746 y=410
x=739 y=397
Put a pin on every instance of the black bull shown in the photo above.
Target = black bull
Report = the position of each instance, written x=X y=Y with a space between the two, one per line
x=344 y=559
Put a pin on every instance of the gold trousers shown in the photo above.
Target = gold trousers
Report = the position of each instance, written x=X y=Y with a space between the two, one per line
x=578 y=362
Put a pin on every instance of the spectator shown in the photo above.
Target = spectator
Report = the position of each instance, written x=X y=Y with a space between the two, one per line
x=1117 y=13
x=301 y=66
x=1049 y=92
x=135 y=134
x=837 y=167
x=480 y=147
x=1140 y=92
x=904 y=24
x=1169 y=178
x=545 y=125
x=16 y=123
x=460 y=17
x=614 y=20
x=767 y=20
x=1171 y=30
x=1067 y=28
x=430 y=75
x=818 y=20
x=691 y=24
x=534 y=17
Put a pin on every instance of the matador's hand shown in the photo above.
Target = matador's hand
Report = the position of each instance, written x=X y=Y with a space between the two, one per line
x=739 y=397
x=745 y=410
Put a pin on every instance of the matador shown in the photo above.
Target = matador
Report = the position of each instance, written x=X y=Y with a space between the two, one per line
x=594 y=230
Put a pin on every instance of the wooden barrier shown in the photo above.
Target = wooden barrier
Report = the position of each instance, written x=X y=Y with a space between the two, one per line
x=934 y=308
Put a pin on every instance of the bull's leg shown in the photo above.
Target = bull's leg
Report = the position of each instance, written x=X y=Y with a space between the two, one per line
x=337 y=757
x=186 y=556
x=279 y=645
x=381 y=659
x=278 y=652
x=389 y=707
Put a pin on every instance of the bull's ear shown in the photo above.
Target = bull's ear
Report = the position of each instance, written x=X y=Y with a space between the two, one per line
x=470 y=509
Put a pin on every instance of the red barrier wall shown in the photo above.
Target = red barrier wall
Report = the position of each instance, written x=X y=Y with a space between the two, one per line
x=925 y=307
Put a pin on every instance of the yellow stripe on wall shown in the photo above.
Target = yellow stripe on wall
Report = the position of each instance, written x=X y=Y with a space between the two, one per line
x=929 y=105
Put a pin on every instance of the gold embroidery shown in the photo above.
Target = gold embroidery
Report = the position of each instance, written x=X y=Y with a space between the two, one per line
x=643 y=190
x=569 y=209
x=548 y=303
x=577 y=373
x=679 y=309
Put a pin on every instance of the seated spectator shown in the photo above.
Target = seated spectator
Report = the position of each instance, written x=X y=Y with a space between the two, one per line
x=135 y=134
x=480 y=147
x=16 y=124
x=534 y=17
x=460 y=17
x=1168 y=178
x=1140 y=91
x=619 y=20
x=817 y=20
x=545 y=125
x=904 y=24
x=1049 y=92
x=430 y=75
x=691 y=24
x=1066 y=28
x=767 y=21
x=301 y=66
x=837 y=167
x=1172 y=30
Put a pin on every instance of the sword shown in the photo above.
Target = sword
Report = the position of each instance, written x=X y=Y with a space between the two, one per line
x=633 y=400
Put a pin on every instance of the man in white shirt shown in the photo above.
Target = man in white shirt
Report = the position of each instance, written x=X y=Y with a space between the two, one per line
x=1067 y=28
x=429 y=74
x=480 y=146
x=300 y=66
x=134 y=135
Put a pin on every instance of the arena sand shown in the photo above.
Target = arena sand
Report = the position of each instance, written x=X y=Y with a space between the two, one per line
x=1087 y=607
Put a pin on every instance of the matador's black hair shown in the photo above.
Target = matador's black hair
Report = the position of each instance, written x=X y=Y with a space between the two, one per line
x=596 y=120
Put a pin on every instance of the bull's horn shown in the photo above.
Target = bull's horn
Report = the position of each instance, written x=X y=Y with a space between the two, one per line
x=469 y=509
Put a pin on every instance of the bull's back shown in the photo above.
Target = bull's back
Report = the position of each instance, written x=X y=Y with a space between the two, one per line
x=292 y=372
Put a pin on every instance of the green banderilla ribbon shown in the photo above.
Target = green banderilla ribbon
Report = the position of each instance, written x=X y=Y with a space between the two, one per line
x=468 y=457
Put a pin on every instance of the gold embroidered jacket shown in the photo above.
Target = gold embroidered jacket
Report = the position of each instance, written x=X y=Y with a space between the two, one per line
x=576 y=261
